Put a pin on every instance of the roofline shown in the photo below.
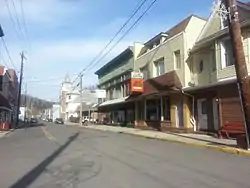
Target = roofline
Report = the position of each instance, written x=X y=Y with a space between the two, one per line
x=161 y=34
x=214 y=36
x=114 y=59
x=215 y=84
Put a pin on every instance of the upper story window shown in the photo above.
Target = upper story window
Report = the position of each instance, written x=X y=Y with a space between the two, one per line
x=144 y=71
x=177 y=59
x=226 y=53
x=159 y=67
x=200 y=66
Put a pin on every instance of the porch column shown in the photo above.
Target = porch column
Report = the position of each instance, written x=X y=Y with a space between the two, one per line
x=145 y=109
x=162 y=114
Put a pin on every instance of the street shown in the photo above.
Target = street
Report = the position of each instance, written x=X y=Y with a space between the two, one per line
x=68 y=156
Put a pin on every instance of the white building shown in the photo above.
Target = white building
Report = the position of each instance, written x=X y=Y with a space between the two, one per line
x=56 y=111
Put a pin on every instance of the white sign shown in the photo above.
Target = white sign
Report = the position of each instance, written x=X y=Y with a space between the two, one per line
x=100 y=93
x=136 y=75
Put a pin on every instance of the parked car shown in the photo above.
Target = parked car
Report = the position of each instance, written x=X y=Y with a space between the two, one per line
x=59 y=121
x=49 y=120
x=33 y=120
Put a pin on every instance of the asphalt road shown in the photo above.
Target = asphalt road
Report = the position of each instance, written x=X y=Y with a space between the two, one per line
x=66 y=156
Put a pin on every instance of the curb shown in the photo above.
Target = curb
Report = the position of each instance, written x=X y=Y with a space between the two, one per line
x=4 y=133
x=225 y=149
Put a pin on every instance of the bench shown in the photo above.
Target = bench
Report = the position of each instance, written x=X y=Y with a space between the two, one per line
x=231 y=128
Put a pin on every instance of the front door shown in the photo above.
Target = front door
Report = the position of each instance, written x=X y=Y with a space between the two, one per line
x=215 y=114
x=202 y=114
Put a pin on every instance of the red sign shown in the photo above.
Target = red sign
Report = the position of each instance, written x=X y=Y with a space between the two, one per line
x=137 y=85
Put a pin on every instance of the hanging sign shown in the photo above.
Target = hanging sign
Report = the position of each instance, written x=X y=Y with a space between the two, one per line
x=136 y=82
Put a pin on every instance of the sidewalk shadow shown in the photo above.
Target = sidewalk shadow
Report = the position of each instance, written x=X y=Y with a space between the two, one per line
x=204 y=140
x=32 y=175
x=24 y=125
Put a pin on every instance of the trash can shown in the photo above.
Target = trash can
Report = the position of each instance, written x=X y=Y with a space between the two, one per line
x=241 y=141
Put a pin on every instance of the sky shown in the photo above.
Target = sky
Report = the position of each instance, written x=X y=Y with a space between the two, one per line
x=62 y=37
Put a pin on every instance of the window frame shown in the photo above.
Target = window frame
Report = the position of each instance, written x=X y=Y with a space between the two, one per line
x=158 y=71
x=177 y=64
x=227 y=59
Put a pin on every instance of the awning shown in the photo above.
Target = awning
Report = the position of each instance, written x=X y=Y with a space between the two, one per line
x=114 y=101
x=161 y=85
x=4 y=103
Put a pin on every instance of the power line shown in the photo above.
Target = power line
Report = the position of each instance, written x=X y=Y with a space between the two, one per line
x=123 y=26
x=12 y=19
x=137 y=8
x=24 y=23
x=16 y=15
x=130 y=28
x=8 y=53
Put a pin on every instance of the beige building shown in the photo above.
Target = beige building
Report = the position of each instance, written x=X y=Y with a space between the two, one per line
x=163 y=62
x=213 y=77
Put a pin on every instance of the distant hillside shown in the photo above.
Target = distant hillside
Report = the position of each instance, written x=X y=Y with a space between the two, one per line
x=35 y=104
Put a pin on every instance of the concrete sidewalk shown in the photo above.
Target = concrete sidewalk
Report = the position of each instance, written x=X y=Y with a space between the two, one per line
x=197 y=140
x=4 y=133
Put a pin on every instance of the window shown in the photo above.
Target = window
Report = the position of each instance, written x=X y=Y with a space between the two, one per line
x=177 y=59
x=226 y=53
x=159 y=67
x=200 y=67
x=127 y=89
x=166 y=108
x=145 y=73
x=213 y=61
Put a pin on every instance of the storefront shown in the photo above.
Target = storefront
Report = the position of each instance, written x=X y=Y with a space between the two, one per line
x=162 y=105
x=5 y=114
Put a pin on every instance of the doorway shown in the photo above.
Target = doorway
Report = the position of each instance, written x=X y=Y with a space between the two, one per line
x=202 y=114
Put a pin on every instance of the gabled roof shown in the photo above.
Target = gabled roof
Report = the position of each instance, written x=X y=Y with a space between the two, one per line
x=181 y=26
x=212 y=17
x=178 y=28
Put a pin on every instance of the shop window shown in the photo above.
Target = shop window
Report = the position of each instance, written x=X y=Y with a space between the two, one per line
x=166 y=109
x=151 y=110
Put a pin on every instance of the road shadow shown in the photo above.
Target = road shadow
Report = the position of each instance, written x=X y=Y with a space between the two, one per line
x=32 y=175
x=24 y=125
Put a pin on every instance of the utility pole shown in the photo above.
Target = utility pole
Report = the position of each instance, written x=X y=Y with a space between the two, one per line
x=25 y=103
x=20 y=89
x=239 y=62
x=81 y=76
